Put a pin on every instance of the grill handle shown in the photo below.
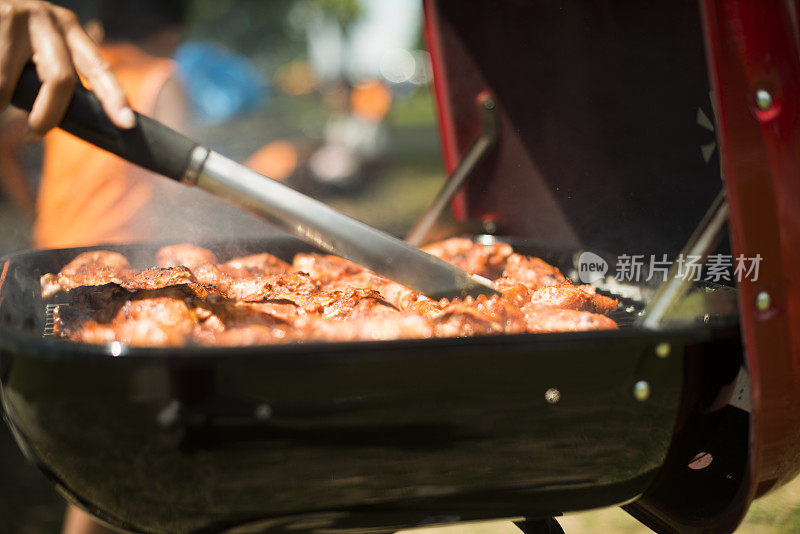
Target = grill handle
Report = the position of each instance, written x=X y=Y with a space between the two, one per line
x=150 y=144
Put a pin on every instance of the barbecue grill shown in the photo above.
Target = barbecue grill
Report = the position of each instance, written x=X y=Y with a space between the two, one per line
x=566 y=128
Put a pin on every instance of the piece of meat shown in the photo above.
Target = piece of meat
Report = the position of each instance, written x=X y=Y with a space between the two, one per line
x=514 y=292
x=251 y=289
x=184 y=255
x=324 y=268
x=246 y=335
x=484 y=260
x=154 y=318
x=342 y=303
x=428 y=307
x=583 y=298
x=235 y=314
x=231 y=281
x=298 y=288
x=103 y=301
x=239 y=323
x=258 y=264
x=282 y=310
x=533 y=272
x=92 y=332
x=540 y=319
x=504 y=312
x=69 y=321
x=404 y=325
x=151 y=318
x=397 y=294
x=94 y=268
x=602 y=304
x=158 y=277
x=93 y=277
x=295 y=287
x=372 y=307
x=212 y=275
x=50 y=285
x=479 y=316
x=95 y=259
x=148 y=333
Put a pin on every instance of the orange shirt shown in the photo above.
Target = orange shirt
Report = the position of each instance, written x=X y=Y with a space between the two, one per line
x=88 y=196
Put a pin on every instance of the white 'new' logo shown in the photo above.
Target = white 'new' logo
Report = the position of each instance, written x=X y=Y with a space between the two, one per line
x=591 y=267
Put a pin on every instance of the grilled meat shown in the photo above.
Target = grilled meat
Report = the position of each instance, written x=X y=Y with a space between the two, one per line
x=397 y=294
x=541 y=318
x=158 y=278
x=94 y=268
x=484 y=260
x=401 y=325
x=260 y=299
x=581 y=298
x=185 y=254
x=533 y=272
x=325 y=268
x=259 y=264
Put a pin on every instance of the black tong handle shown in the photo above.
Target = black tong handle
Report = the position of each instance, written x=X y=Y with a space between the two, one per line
x=150 y=144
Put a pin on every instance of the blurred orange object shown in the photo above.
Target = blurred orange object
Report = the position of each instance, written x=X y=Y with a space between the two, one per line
x=277 y=160
x=371 y=100
x=296 y=78
x=89 y=196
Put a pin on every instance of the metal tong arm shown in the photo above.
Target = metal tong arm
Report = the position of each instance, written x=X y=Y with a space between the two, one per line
x=162 y=150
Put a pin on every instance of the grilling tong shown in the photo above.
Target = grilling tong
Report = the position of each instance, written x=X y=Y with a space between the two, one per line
x=160 y=149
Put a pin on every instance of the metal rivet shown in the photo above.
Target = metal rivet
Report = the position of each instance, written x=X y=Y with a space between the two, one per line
x=552 y=395
x=763 y=301
x=641 y=390
x=116 y=348
x=263 y=412
x=701 y=460
x=763 y=99
x=662 y=349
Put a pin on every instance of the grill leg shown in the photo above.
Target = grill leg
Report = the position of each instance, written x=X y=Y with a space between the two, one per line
x=540 y=526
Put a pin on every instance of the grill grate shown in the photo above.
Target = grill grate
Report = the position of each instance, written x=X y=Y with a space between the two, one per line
x=49 y=319
x=626 y=315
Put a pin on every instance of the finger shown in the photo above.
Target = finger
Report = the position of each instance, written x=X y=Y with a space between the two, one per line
x=92 y=66
x=54 y=67
x=14 y=52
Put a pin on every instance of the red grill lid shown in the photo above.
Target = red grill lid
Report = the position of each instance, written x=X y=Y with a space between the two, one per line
x=606 y=123
x=754 y=59
x=608 y=140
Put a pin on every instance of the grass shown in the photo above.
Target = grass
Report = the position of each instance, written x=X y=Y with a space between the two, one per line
x=776 y=513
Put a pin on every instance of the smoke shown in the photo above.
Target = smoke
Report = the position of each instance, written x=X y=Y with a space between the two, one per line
x=187 y=214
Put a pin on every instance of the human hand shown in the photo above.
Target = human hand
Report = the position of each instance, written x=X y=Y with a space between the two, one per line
x=54 y=40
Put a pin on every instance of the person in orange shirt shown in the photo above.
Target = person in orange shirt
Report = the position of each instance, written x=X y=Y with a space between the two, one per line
x=88 y=196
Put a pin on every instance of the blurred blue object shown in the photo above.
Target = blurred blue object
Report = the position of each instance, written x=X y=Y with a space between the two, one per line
x=220 y=84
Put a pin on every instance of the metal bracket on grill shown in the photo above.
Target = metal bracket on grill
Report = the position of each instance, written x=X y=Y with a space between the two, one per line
x=702 y=242
x=539 y=526
x=463 y=172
